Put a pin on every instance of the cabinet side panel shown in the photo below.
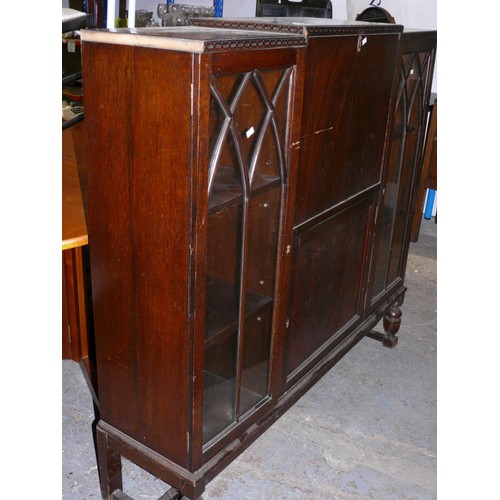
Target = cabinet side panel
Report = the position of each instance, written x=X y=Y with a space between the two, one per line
x=107 y=75
x=139 y=211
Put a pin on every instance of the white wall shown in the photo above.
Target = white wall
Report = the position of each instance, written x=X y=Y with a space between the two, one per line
x=421 y=14
x=239 y=8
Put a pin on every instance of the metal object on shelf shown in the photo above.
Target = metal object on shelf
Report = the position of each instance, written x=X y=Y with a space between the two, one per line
x=180 y=14
x=143 y=17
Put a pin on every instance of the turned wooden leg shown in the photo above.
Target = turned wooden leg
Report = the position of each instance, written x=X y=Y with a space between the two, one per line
x=392 y=322
x=110 y=466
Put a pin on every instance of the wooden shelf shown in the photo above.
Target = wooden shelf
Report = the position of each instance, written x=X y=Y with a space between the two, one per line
x=218 y=407
x=227 y=188
x=222 y=308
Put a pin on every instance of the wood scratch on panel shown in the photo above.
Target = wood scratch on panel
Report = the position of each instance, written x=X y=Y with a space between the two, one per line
x=323 y=130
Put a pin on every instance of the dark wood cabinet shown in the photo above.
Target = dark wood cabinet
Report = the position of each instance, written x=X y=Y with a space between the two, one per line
x=235 y=180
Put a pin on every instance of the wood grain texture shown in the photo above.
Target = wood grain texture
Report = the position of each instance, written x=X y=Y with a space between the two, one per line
x=139 y=232
x=66 y=333
x=327 y=280
x=345 y=113
x=165 y=252
x=75 y=293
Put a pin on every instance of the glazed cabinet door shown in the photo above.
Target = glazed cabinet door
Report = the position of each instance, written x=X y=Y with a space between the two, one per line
x=249 y=131
x=404 y=159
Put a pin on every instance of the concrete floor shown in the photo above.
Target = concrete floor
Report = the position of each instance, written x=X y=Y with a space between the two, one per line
x=366 y=430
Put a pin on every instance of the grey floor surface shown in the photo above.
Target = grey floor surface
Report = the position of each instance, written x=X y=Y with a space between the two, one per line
x=366 y=430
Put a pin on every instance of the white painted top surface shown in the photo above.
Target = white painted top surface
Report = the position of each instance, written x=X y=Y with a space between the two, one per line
x=190 y=38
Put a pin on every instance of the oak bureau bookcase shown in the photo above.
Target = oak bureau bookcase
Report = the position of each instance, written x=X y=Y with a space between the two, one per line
x=192 y=137
x=237 y=181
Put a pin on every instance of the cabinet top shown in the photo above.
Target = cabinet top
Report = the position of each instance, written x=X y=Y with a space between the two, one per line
x=415 y=32
x=307 y=26
x=194 y=38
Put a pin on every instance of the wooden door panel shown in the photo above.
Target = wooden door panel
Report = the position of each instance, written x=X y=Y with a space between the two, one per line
x=327 y=279
x=345 y=115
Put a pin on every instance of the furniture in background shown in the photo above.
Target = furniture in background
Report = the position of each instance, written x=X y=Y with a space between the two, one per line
x=74 y=238
x=74 y=226
x=376 y=15
x=123 y=13
x=428 y=178
x=77 y=339
x=429 y=203
x=72 y=96
x=95 y=10
x=244 y=225
x=81 y=14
